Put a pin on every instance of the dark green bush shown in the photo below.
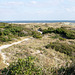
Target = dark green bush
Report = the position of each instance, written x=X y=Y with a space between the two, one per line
x=49 y=30
x=6 y=32
x=5 y=38
x=36 y=34
x=13 y=31
x=21 y=34
x=60 y=31
x=62 y=47
x=1 y=32
x=70 y=34
x=23 y=67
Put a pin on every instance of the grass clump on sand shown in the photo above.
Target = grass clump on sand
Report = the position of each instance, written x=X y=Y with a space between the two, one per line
x=62 y=47
x=67 y=70
x=23 y=67
x=36 y=34
x=62 y=39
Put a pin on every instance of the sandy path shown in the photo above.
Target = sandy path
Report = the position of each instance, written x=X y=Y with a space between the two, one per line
x=6 y=46
x=2 y=55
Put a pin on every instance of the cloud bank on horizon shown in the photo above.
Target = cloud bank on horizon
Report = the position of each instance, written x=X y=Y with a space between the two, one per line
x=37 y=10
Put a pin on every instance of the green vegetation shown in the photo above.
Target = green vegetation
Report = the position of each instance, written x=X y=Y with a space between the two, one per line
x=23 y=67
x=62 y=39
x=62 y=47
x=48 y=60
x=28 y=67
x=2 y=25
x=49 y=30
x=36 y=34
x=70 y=34
x=9 y=31
x=55 y=36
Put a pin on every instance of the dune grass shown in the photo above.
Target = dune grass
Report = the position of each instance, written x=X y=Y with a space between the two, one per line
x=50 y=58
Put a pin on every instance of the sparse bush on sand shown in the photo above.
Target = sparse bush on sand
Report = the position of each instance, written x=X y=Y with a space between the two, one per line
x=62 y=47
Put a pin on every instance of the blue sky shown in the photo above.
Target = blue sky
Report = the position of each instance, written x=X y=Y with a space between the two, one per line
x=37 y=10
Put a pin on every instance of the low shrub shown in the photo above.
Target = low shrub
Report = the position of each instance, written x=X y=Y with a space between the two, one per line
x=14 y=31
x=49 y=30
x=5 y=38
x=62 y=39
x=62 y=47
x=1 y=32
x=60 y=31
x=36 y=34
x=23 y=67
x=6 y=32
x=70 y=34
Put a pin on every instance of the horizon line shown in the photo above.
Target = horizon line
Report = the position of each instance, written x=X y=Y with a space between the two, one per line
x=37 y=20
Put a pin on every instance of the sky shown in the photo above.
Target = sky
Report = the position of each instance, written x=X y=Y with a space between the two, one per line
x=11 y=10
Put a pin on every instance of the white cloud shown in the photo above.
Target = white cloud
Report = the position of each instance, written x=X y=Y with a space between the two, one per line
x=13 y=3
x=33 y=2
x=52 y=2
x=72 y=9
x=44 y=11
x=72 y=0
x=68 y=9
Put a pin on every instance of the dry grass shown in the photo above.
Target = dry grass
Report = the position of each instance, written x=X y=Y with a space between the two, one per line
x=35 y=26
x=35 y=47
x=2 y=64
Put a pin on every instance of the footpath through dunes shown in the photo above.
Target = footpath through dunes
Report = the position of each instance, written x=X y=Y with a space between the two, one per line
x=2 y=55
x=2 y=63
x=45 y=58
